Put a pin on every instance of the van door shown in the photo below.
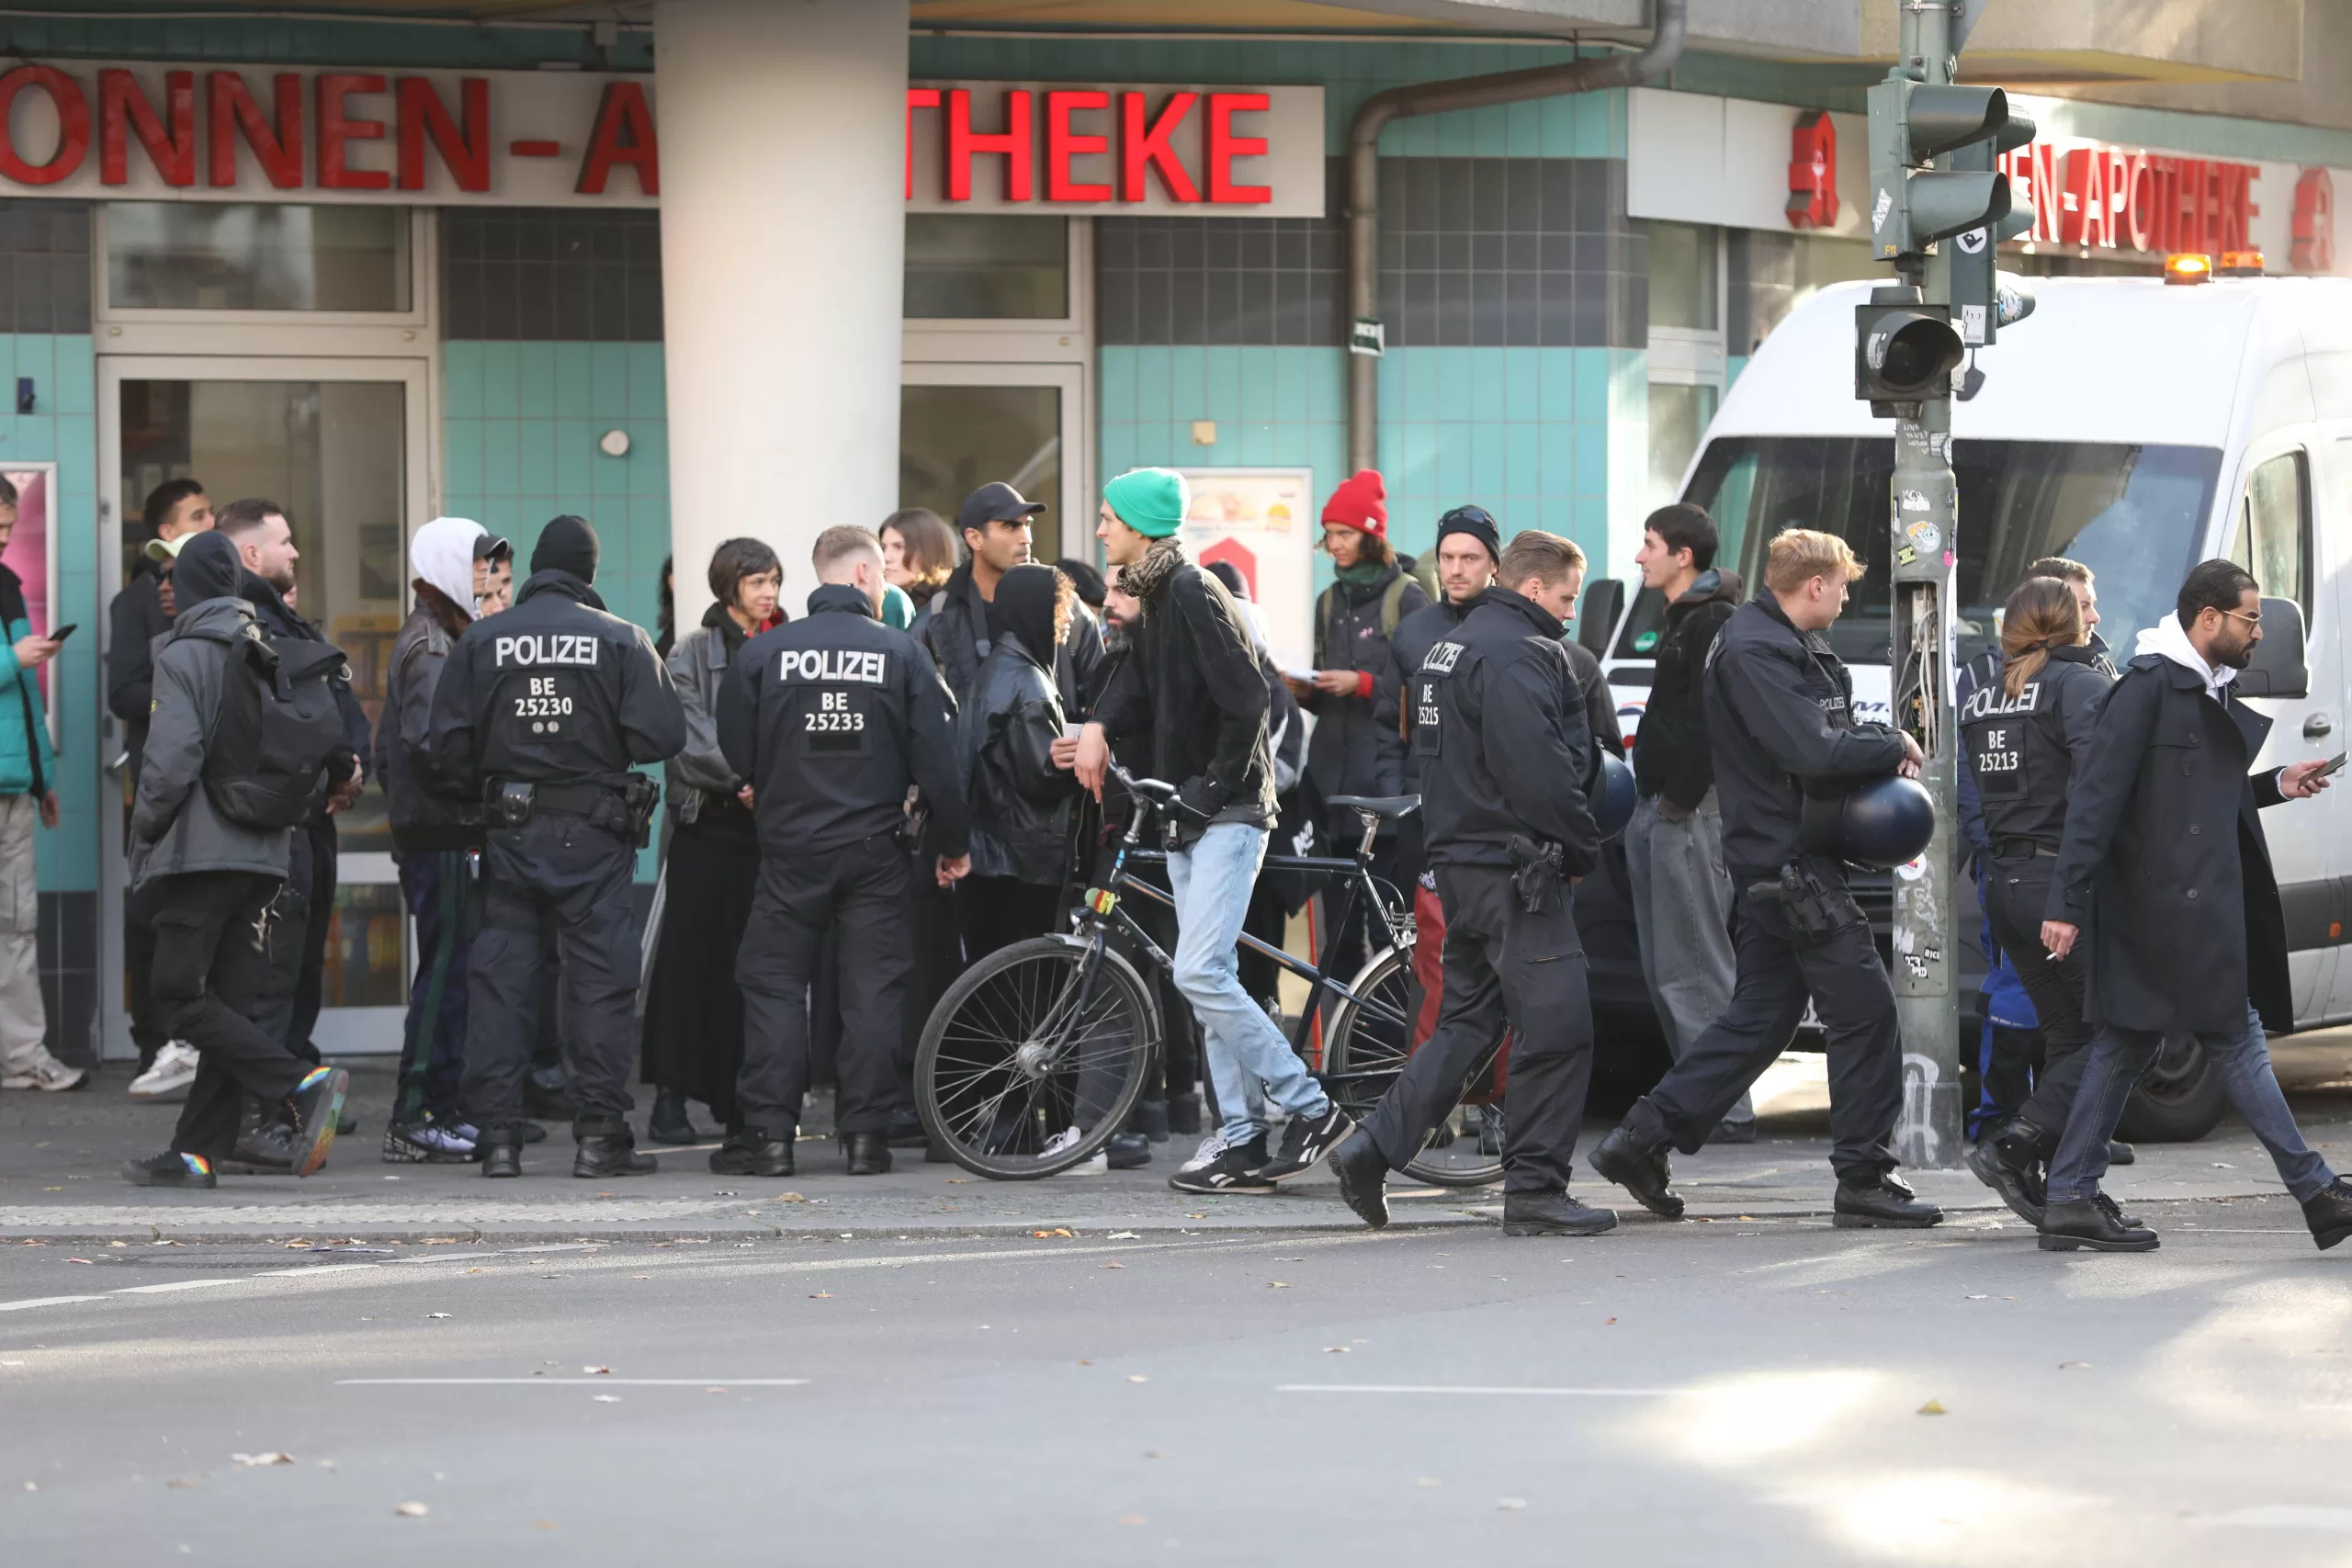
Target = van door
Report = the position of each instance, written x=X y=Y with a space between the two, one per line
x=2272 y=536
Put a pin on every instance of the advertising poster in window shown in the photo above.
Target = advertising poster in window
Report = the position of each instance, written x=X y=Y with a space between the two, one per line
x=31 y=553
x=1263 y=519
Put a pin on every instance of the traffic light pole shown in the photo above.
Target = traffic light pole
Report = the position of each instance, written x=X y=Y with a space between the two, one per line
x=1924 y=522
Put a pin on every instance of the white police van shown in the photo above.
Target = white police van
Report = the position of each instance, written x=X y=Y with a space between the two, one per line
x=2136 y=425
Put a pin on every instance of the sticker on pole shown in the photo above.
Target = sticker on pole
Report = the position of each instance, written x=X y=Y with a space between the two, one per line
x=1925 y=536
x=1880 y=208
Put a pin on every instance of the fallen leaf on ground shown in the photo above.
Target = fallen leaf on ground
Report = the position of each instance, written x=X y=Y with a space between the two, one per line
x=543 y=1524
x=411 y=1510
x=1278 y=1284
x=1113 y=1266
x=272 y=1456
x=1933 y=1408
x=1606 y=1321
x=957 y=1180
x=1057 y=1230
x=78 y=1260
x=1137 y=1377
x=789 y=1197
x=117 y=1243
x=1335 y=1349
x=182 y=1485
x=821 y=1295
x=598 y=1371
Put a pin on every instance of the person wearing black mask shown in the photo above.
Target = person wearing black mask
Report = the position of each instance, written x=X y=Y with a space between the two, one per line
x=545 y=708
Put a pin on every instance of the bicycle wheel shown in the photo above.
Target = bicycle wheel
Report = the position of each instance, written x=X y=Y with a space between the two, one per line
x=1370 y=1040
x=1034 y=1056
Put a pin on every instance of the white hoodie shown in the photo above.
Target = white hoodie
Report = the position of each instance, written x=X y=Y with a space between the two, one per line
x=2166 y=638
x=442 y=553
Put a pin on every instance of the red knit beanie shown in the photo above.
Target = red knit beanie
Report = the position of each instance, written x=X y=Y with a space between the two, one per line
x=1360 y=504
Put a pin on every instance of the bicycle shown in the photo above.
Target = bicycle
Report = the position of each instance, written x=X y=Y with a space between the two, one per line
x=1038 y=1053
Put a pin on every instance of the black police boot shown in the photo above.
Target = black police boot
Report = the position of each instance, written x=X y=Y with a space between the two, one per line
x=1127 y=1151
x=669 y=1123
x=1643 y=1172
x=906 y=1129
x=501 y=1151
x=1363 y=1171
x=606 y=1147
x=1553 y=1213
x=1880 y=1201
x=2009 y=1160
x=2094 y=1226
x=868 y=1154
x=2329 y=1214
x=752 y=1153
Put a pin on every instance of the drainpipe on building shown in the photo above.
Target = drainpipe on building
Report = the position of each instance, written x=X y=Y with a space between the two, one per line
x=1654 y=60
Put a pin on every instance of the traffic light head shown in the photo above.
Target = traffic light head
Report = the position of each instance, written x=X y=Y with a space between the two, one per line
x=1911 y=123
x=1904 y=350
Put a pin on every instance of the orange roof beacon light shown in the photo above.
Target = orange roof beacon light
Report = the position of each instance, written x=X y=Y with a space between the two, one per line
x=2186 y=267
x=2239 y=263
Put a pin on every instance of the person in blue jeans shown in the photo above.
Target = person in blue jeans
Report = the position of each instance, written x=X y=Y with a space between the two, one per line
x=1188 y=704
x=2164 y=857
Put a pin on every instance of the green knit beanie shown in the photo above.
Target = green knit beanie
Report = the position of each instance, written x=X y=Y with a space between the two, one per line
x=1150 y=501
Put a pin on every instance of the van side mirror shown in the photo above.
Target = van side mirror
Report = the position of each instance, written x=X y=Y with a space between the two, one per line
x=2279 y=669
x=1604 y=607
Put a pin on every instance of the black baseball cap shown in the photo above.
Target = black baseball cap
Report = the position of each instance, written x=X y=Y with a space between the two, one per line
x=491 y=548
x=995 y=501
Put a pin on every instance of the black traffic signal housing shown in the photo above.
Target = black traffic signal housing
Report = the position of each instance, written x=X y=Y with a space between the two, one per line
x=1913 y=206
x=1904 y=350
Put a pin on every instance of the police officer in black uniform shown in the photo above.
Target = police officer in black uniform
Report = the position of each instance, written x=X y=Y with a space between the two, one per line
x=1779 y=718
x=2021 y=733
x=1499 y=723
x=830 y=718
x=543 y=708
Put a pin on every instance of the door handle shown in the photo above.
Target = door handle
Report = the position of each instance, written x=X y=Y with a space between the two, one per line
x=2316 y=726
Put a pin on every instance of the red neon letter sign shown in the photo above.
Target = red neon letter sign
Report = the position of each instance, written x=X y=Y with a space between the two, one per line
x=1225 y=147
x=1141 y=147
x=278 y=149
x=72 y=125
x=1015 y=141
x=1062 y=145
x=336 y=130
x=421 y=114
x=2315 y=233
x=917 y=98
x=623 y=134
x=122 y=101
x=1813 y=171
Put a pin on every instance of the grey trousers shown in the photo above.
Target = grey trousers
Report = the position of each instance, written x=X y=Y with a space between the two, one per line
x=1682 y=900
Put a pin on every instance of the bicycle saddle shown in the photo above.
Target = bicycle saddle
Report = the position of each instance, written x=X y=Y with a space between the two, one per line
x=1389 y=806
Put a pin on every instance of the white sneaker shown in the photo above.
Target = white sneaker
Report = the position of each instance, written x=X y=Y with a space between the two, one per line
x=172 y=1071
x=45 y=1072
x=1057 y=1143
x=1204 y=1156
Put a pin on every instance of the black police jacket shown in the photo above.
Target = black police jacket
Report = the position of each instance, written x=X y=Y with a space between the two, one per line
x=1781 y=716
x=830 y=718
x=2165 y=861
x=1983 y=670
x=2021 y=751
x=1499 y=722
x=554 y=691
x=1416 y=635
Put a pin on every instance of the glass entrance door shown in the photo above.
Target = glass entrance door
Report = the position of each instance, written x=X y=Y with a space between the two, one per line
x=331 y=443
x=963 y=425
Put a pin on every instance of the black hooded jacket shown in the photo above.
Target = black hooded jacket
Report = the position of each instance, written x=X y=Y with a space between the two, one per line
x=1671 y=758
x=1021 y=802
x=953 y=627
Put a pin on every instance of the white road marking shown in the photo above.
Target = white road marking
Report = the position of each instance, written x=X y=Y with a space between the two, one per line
x=46 y=1302
x=571 y=1382
x=171 y=1285
x=1474 y=1389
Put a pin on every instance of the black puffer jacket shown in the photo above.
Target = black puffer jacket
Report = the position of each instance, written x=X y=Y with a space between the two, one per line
x=1021 y=802
x=953 y=626
x=1347 y=755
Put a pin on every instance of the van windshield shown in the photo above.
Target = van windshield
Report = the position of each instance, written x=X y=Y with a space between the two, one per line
x=2133 y=514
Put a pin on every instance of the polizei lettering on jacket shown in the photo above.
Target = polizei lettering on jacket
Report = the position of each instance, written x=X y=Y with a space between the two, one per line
x=546 y=647
x=1992 y=702
x=866 y=667
x=1441 y=658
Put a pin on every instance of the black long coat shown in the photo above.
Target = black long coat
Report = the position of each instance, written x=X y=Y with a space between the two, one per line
x=2164 y=861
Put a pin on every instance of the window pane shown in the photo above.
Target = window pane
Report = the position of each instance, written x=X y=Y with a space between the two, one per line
x=1679 y=416
x=2274 y=531
x=953 y=440
x=1682 y=276
x=963 y=268
x=191 y=255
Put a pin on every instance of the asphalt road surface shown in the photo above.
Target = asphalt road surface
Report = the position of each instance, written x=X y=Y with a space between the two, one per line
x=1766 y=1392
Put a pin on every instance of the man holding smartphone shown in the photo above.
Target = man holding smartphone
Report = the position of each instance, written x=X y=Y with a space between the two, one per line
x=28 y=791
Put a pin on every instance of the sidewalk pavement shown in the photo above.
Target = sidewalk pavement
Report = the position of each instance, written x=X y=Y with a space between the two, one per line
x=59 y=1154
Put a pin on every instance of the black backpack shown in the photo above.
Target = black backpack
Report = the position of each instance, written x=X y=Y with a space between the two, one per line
x=279 y=724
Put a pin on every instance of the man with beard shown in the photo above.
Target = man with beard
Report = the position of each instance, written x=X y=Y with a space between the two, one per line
x=265 y=543
x=2163 y=845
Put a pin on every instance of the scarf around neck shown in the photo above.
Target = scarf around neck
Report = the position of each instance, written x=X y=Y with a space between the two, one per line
x=1148 y=578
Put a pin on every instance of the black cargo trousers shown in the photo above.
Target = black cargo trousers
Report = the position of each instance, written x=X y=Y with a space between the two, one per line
x=1502 y=965
x=1776 y=974
x=856 y=894
x=558 y=871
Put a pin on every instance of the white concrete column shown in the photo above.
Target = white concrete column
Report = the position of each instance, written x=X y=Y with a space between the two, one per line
x=782 y=127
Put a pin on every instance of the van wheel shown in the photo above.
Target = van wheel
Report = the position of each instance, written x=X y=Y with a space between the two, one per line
x=2180 y=1101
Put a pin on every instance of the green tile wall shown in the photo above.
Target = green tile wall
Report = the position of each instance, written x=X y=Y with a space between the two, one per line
x=1553 y=438
x=64 y=431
